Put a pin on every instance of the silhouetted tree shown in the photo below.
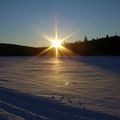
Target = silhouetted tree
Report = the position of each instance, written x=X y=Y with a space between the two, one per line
x=85 y=39
x=107 y=36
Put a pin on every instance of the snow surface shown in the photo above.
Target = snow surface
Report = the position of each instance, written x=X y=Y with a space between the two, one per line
x=77 y=88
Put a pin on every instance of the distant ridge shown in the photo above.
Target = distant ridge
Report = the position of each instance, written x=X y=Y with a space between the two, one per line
x=95 y=47
x=18 y=50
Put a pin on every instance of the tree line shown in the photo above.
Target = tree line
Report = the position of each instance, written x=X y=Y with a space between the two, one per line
x=109 y=45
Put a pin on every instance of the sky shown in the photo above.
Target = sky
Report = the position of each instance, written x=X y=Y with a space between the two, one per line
x=27 y=22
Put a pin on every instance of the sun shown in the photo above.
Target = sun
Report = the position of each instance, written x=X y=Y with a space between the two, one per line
x=56 y=43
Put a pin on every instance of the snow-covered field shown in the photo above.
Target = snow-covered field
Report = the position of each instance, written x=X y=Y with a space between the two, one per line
x=41 y=88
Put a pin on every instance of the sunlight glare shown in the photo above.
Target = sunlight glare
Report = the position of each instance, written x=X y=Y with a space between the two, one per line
x=56 y=43
x=66 y=83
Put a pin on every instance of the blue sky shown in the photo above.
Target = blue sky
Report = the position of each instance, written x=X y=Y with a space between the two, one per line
x=25 y=22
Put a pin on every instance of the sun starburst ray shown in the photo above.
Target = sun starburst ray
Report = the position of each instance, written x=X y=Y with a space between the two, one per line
x=69 y=36
x=56 y=43
x=67 y=51
x=44 y=51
